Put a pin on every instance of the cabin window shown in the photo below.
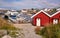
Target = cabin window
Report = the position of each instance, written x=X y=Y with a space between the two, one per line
x=55 y=21
x=38 y=22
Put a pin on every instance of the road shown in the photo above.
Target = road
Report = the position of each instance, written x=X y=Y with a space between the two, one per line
x=28 y=30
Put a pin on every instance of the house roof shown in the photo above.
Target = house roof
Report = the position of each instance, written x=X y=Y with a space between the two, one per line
x=48 y=14
x=51 y=12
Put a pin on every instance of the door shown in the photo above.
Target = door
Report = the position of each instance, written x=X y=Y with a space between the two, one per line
x=38 y=22
x=55 y=21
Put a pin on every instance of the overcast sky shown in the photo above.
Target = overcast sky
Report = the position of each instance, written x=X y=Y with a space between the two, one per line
x=21 y=4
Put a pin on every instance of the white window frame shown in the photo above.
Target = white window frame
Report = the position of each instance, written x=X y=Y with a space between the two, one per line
x=55 y=21
x=38 y=22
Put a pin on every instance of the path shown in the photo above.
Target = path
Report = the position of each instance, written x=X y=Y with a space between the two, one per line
x=28 y=30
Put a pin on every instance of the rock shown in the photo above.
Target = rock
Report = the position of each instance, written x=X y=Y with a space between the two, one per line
x=3 y=32
x=6 y=36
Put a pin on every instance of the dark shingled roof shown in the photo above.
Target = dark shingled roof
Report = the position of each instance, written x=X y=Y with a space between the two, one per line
x=51 y=13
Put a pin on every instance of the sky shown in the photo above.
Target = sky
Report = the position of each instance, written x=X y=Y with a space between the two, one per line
x=26 y=4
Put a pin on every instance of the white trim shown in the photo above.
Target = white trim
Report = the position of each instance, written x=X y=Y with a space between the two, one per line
x=38 y=22
x=55 y=21
x=40 y=12
x=55 y=13
x=46 y=13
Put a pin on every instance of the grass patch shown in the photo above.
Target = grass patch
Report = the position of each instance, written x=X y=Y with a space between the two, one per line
x=11 y=30
x=51 y=31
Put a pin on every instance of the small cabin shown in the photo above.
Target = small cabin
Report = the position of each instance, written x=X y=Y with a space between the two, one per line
x=42 y=18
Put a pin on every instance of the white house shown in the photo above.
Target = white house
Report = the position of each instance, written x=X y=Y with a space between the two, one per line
x=58 y=9
x=11 y=12
x=47 y=9
x=24 y=10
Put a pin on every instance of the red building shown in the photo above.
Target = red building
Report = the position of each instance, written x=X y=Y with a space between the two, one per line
x=42 y=18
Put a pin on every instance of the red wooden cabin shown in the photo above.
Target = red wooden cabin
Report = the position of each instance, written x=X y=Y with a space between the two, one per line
x=42 y=18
